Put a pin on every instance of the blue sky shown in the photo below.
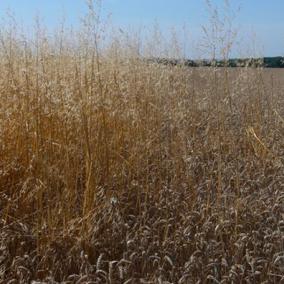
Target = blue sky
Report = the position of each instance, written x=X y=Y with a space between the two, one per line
x=262 y=17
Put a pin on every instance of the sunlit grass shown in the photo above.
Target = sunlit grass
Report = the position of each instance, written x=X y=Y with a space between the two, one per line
x=117 y=170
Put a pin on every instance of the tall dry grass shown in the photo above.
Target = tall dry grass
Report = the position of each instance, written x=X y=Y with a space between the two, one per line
x=117 y=170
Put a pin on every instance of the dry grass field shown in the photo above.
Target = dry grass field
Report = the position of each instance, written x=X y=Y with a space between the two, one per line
x=114 y=170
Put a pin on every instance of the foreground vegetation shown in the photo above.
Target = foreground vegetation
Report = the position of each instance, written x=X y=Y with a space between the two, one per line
x=117 y=170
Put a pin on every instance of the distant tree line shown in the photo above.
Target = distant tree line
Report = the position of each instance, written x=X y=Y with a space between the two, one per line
x=267 y=62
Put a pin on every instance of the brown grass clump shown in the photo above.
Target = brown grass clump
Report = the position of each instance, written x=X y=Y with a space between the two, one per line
x=115 y=170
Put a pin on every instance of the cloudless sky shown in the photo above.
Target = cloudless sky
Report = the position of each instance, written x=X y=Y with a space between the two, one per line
x=264 y=18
